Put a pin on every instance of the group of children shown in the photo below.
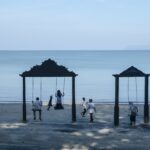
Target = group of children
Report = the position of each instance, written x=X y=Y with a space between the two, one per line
x=37 y=105
x=87 y=107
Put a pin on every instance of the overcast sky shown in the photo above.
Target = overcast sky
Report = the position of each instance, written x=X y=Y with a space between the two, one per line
x=74 y=24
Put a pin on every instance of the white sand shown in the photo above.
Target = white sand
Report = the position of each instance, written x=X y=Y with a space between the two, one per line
x=56 y=131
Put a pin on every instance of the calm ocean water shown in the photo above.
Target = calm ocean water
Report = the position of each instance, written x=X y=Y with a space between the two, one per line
x=94 y=69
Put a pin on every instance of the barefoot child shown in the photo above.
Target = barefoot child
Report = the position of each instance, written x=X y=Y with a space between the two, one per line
x=84 y=105
x=91 y=108
x=133 y=110
x=50 y=102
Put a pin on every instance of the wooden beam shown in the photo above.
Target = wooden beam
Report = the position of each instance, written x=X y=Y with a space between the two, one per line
x=73 y=101
x=24 y=101
x=146 y=106
x=116 y=107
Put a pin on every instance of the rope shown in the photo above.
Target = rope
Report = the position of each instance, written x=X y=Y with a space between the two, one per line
x=128 y=90
x=56 y=85
x=40 y=88
x=56 y=91
x=63 y=90
x=136 y=90
x=64 y=85
x=32 y=89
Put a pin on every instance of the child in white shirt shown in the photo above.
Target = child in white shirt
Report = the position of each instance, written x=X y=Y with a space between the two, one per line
x=84 y=105
x=91 y=108
x=37 y=106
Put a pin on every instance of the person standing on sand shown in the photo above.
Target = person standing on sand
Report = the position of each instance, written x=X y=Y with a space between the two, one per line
x=50 y=102
x=133 y=110
x=91 y=108
x=84 y=105
x=37 y=106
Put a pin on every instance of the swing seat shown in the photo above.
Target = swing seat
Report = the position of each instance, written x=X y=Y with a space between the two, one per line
x=58 y=106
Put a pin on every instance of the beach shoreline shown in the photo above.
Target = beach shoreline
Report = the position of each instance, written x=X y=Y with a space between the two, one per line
x=57 y=124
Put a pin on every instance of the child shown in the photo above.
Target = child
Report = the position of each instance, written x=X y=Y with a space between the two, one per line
x=133 y=110
x=91 y=109
x=50 y=102
x=84 y=105
x=59 y=96
x=37 y=106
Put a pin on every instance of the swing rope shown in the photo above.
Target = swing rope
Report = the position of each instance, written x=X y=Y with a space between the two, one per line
x=56 y=85
x=64 y=85
x=32 y=89
x=136 y=90
x=40 y=88
x=128 y=90
x=63 y=88
x=56 y=91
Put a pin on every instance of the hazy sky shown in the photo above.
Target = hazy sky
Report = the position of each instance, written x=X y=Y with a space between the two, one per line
x=74 y=24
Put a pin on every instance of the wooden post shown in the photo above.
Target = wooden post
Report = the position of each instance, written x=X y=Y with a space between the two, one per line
x=24 y=100
x=73 y=101
x=146 y=107
x=116 y=108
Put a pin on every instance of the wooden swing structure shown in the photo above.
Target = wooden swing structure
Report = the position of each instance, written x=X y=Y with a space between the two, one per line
x=48 y=68
x=131 y=72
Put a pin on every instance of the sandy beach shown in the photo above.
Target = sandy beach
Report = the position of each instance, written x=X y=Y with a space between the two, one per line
x=56 y=131
x=82 y=54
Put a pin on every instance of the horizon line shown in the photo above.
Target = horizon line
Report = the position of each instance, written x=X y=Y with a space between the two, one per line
x=76 y=50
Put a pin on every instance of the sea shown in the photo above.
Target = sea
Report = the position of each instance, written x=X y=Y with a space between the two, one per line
x=95 y=78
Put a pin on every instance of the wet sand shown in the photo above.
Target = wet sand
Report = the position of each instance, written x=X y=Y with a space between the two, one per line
x=56 y=131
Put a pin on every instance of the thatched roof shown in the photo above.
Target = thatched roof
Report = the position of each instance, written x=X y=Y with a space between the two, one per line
x=131 y=72
x=49 y=68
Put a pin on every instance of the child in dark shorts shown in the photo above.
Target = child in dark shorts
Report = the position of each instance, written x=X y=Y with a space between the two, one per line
x=133 y=110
